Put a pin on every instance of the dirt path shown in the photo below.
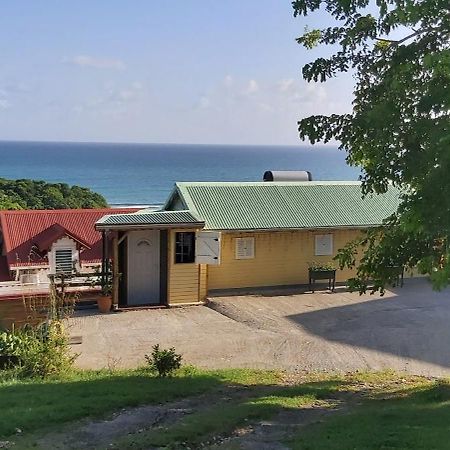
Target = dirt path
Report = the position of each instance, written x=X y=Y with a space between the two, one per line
x=100 y=434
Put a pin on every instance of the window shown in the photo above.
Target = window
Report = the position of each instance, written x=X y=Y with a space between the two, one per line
x=63 y=260
x=324 y=244
x=245 y=248
x=184 y=247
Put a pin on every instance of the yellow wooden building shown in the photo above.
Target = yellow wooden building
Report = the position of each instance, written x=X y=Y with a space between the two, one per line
x=215 y=236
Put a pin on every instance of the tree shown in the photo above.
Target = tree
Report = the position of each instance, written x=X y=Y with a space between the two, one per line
x=30 y=194
x=398 y=131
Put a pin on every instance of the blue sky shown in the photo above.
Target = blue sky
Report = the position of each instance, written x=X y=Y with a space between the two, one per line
x=193 y=71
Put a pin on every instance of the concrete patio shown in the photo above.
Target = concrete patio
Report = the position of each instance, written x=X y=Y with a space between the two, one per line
x=407 y=329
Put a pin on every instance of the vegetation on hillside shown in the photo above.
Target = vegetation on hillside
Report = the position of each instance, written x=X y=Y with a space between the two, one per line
x=398 y=130
x=31 y=194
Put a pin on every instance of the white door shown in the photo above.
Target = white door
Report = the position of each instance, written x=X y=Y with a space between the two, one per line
x=143 y=274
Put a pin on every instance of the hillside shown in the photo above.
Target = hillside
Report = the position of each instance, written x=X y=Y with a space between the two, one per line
x=32 y=194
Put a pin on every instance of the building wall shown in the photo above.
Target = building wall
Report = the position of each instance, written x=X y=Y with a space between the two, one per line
x=280 y=258
x=183 y=279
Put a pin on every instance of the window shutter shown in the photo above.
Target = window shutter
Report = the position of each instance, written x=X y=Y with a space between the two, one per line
x=207 y=247
x=245 y=248
x=324 y=244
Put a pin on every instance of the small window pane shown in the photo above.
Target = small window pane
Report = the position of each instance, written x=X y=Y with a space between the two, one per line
x=184 y=247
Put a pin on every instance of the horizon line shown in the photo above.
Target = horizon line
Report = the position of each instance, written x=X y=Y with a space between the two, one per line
x=30 y=141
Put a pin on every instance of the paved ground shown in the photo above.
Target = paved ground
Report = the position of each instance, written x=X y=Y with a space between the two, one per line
x=407 y=329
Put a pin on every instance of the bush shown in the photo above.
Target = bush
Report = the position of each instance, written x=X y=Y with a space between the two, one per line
x=40 y=350
x=164 y=361
x=46 y=351
x=10 y=345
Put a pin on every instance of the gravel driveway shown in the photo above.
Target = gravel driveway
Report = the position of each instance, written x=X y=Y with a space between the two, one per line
x=407 y=329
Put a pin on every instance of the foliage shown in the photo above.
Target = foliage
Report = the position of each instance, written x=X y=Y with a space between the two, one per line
x=321 y=266
x=45 y=350
x=164 y=361
x=30 y=194
x=398 y=131
x=42 y=347
x=10 y=343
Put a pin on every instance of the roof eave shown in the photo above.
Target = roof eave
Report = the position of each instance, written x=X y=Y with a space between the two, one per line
x=148 y=226
x=330 y=227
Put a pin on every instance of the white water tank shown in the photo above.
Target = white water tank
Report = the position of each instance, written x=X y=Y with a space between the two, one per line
x=287 y=175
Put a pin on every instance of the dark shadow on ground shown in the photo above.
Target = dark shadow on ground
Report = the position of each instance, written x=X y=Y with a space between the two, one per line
x=414 y=323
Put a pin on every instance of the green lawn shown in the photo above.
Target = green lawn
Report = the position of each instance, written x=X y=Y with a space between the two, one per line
x=416 y=418
x=31 y=405
x=383 y=410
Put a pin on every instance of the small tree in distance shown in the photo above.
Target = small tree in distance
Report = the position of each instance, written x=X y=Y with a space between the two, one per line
x=399 y=129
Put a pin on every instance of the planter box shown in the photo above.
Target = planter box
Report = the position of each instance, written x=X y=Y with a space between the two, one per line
x=329 y=275
x=322 y=274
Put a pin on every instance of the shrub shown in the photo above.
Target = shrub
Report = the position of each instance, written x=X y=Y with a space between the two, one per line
x=40 y=350
x=10 y=346
x=46 y=351
x=10 y=343
x=164 y=361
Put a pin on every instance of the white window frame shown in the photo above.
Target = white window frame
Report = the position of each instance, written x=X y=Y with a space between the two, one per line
x=323 y=244
x=244 y=248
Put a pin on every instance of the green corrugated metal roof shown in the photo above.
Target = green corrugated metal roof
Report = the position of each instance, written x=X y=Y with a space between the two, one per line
x=286 y=205
x=150 y=218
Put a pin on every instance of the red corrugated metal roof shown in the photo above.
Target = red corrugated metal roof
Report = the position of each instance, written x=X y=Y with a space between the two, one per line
x=20 y=229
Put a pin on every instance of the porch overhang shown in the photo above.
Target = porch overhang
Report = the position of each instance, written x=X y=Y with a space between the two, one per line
x=150 y=220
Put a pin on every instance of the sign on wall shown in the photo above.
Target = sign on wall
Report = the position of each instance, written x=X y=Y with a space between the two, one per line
x=245 y=248
x=207 y=247
x=323 y=244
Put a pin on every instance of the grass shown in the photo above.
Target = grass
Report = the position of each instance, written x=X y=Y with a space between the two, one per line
x=384 y=410
x=414 y=418
x=34 y=404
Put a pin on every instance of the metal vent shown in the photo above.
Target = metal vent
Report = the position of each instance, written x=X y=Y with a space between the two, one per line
x=63 y=261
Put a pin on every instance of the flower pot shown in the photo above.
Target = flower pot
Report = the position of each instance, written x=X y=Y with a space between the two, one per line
x=104 y=303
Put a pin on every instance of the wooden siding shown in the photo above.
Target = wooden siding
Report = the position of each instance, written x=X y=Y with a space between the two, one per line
x=183 y=279
x=281 y=258
x=203 y=288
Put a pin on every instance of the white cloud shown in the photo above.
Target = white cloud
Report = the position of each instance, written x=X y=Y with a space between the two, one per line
x=252 y=87
x=228 y=81
x=95 y=62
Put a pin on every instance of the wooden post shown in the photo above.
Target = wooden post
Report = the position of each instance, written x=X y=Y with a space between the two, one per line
x=104 y=246
x=115 y=271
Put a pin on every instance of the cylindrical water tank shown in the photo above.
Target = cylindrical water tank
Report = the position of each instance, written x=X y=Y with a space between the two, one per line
x=287 y=175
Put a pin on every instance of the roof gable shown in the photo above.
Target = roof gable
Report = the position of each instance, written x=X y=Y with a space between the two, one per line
x=21 y=229
x=286 y=205
x=46 y=238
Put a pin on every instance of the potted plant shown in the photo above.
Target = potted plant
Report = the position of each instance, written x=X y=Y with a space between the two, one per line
x=104 y=301
x=324 y=269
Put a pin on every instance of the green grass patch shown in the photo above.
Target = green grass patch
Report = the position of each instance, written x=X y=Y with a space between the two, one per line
x=413 y=417
x=34 y=404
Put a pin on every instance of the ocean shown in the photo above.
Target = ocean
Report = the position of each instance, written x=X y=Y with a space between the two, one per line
x=144 y=174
